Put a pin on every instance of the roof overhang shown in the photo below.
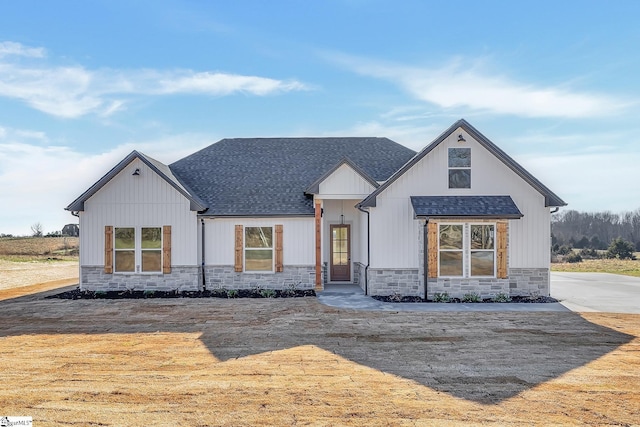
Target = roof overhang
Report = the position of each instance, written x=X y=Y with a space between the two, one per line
x=482 y=207
x=196 y=204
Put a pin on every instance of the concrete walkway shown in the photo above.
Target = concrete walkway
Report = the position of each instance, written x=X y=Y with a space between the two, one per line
x=597 y=292
x=351 y=296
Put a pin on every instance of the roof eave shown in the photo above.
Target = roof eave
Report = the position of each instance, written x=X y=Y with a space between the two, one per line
x=195 y=204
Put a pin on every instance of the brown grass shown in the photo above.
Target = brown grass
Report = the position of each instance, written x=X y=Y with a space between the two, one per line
x=296 y=362
x=29 y=248
x=615 y=266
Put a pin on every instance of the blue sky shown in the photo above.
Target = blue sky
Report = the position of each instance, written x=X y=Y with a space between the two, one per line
x=553 y=83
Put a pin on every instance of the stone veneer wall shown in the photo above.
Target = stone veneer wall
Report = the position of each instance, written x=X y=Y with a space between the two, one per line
x=410 y=282
x=521 y=282
x=181 y=278
x=358 y=274
x=224 y=276
x=390 y=281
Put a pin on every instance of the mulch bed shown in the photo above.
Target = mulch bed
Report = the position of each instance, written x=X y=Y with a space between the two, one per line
x=515 y=299
x=215 y=293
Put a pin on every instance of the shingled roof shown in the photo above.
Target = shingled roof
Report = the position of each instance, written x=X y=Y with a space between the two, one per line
x=269 y=176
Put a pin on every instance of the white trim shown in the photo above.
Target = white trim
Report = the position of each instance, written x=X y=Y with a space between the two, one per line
x=466 y=250
x=272 y=249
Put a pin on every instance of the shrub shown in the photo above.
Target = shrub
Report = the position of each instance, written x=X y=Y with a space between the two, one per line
x=267 y=293
x=441 y=297
x=573 y=258
x=232 y=293
x=471 y=297
x=621 y=249
x=501 y=297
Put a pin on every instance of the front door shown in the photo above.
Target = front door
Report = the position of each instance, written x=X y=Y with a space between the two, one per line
x=340 y=253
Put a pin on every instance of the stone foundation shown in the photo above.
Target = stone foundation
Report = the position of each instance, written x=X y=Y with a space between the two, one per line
x=404 y=282
x=521 y=282
x=358 y=274
x=181 y=278
x=529 y=282
x=224 y=276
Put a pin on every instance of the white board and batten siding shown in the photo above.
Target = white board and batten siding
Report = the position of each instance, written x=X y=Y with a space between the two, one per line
x=344 y=183
x=298 y=239
x=394 y=243
x=145 y=200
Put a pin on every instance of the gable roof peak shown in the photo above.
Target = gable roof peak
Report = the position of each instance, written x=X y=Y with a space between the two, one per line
x=551 y=199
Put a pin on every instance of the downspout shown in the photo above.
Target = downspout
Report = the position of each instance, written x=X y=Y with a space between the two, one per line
x=204 y=283
x=555 y=210
x=366 y=269
x=425 y=258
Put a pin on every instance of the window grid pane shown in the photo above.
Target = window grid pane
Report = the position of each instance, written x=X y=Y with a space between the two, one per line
x=151 y=260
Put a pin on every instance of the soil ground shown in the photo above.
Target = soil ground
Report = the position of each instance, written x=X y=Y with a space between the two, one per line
x=202 y=362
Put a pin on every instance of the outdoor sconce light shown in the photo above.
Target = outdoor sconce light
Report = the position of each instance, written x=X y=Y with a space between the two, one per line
x=136 y=172
x=461 y=138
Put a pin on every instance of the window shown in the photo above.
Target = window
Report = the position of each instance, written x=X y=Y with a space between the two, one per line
x=482 y=250
x=459 y=167
x=125 y=249
x=258 y=249
x=138 y=247
x=466 y=250
x=151 y=248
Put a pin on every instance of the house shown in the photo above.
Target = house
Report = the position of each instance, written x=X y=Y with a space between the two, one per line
x=459 y=216
x=71 y=230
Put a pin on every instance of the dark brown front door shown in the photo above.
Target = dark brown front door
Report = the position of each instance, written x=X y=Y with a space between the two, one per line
x=340 y=253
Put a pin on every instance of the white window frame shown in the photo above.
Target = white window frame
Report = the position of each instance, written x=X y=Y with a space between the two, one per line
x=138 y=250
x=272 y=248
x=466 y=249
x=453 y=168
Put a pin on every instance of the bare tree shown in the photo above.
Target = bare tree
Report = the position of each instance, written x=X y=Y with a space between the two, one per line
x=36 y=230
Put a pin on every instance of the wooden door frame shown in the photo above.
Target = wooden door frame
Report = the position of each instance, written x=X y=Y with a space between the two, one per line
x=348 y=227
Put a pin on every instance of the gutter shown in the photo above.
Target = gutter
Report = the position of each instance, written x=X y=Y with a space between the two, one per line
x=204 y=283
x=425 y=257
x=366 y=269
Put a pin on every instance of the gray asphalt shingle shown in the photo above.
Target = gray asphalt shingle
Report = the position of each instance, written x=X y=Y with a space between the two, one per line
x=268 y=176
x=465 y=206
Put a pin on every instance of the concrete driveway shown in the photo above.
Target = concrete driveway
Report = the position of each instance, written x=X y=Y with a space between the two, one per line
x=602 y=292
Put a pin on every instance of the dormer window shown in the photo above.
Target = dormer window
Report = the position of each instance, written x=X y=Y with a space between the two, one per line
x=459 y=167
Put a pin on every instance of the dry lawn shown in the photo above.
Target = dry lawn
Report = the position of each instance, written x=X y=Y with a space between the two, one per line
x=205 y=362
x=39 y=246
x=615 y=266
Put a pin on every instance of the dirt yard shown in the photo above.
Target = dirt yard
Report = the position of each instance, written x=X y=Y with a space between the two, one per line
x=203 y=362
x=20 y=274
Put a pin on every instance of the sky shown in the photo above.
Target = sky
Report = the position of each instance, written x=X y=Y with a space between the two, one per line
x=555 y=84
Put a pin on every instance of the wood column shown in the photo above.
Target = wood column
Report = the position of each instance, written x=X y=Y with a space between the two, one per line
x=318 y=221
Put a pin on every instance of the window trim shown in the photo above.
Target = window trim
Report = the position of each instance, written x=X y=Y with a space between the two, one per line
x=272 y=248
x=457 y=168
x=467 y=250
x=137 y=269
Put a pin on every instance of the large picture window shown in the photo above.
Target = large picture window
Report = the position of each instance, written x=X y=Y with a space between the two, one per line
x=137 y=247
x=466 y=250
x=258 y=248
x=459 y=167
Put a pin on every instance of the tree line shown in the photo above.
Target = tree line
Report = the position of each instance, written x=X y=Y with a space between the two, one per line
x=595 y=230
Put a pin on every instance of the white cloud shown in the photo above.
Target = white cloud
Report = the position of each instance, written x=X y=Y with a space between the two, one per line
x=17 y=49
x=588 y=181
x=470 y=85
x=414 y=137
x=38 y=181
x=75 y=91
